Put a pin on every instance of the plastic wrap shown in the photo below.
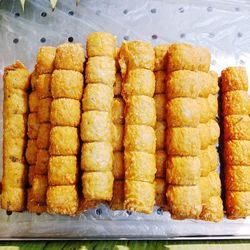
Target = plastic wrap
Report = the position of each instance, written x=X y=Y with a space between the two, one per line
x=222 y=26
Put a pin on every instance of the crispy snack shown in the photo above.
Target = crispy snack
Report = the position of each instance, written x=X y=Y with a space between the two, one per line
x=97 y=156
x=140 y=138
x=96 y=126
x=237 y=152
x=161 y=56
x=33 y=79
x=160 y=82
x=160 y=193
x=118 y=135
x=64 y=141
x=236 y=127
x=118 y=165
x=160 y=129
x=101 y=44
x=136 y=54
x=69 y=56
x=213 y=105
x=184 y=201
x=13 y=199
x=45 y=60
x=204 y=132
x=208 y=160
x=13 y=149
x=118 y=106
x=183 y=141
x=186 y=56
x=208 y=108
x=182 y=83
x=207 y=83
x=235 y=103
x=97 y=97
x=140 y=110
x=15 y=126
x=42 y=161
x=210 y=186
x=212 y=210
x=43 y=136
x=15 y=101
x=98 y=185
x=118 y=84
x=100 y=69
x=39 y=188
x=65 y=112
x=161 y=157
x=214 y=131
x=237 y=204
x=62 y=200
x=62 y=170
x=34 y=206
x=43 y=86
x=182 y=112
x=33 y=125
x=44 y=110
x=117 y=202
x=31 y=174
x=139 y=166
x=237 y=178
x=31 y=151
x=234 y=78
x=15 y=174
x=139 y=196
x=139 y=82
x=16 y=76
x=33 y=101
x=183 y=171
x=160 y=106
x=67 y=84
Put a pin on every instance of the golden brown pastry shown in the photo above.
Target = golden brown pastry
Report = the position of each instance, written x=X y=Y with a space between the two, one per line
x=43 y=136
x=118 y=84
x=118 y=165
x=45 y=60
x=160 y=82
x=31 y=152
x=117 y=202
x=118 y=135
x=160 y=106
x=33 y=101
x=34 y=206
x=39 y=188
x=160 y=193
x=160 y=129
x=43 y=86
x=161 y=157
x=33 y=124
x=204 y=132
x=11 y=130
x=31 y=174
x=161 y=56
x=42 y=161
x=118 y=107
x=44 y=110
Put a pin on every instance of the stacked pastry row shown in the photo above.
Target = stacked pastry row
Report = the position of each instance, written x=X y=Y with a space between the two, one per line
x=15 y=111
x=137 y=60
x=96 y=124
x=236 y=124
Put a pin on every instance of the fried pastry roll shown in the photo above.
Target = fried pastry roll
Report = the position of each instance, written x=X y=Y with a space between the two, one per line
x=15 y=126
x=118 y=84
x=31 y=151
x=39 y=188
x=117 y=202
x=160 y=193
x=44 y=110
x=160 y=82
x=160 y=106
x=33 y=125
x=42 y=161
x=33 y=101
x=43 y=86
x=160 y=157
x=118 y=165
x=45 y=60
x=43 y=136
x=118 y=107
x=161 y=57
x=160 y=129
x=118 y=135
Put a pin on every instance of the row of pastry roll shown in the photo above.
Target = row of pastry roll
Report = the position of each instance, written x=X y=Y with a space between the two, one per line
x=64 y=143
x=137 y=59
x=96 y=123
x=15 y=111
x=160 y=127
x=190 y=134
x=236 y=124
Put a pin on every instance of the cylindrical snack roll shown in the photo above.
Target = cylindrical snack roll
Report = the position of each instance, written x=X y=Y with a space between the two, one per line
x=117 y=202
x=161 y=56
x=161 y=157
x=45 y=60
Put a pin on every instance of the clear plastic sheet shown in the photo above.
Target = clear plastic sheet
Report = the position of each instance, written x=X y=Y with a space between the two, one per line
x=222 y=26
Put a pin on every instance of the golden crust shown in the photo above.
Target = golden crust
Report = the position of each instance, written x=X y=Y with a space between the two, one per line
x=213 y=105
x=204 y=132
x=100 y=69
x=237 y=152
x=13 y=149
x=183 y=171
x=65 y=112
x=117 y=202
x=139 y=82
x=96 y=126
x=184 y=201
x=62 y=170
x=62 y=200
x=42 y=161
x=208 y=108
x=43 y=136
x=186 y=56
x=39 y=188
x=160 y=82
x=237 y=204
x=236 y=127
x=64 y=141
x=208 y=83
x=234 y=78
x=214 y=131
x=33 y=206
x=140 y=110
x=235 y=103
x=160 y=129
x=33 y=125
x=118 y=166
x=67 y=84
x=101 y=44
x=44 y=110
x=118 y=107
x=31 y=151
x=97 y=97
x=160 y=193
x=139 y=196
x=118 y=135
x=33 y=101
x=139 y=166
x=31 y=174
x=182 y=112
x=33 y=79
x=183 y=141
x=69 y=56
x=161 y=157
x=161 y=56
x=98 y=185
x=45 y=60
x=118 y=84
x=140 y=138
x=237 y=178
x=160 y=106
x=43 y=86
x=15 y=126
x=96 y=156
x=136 y=54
